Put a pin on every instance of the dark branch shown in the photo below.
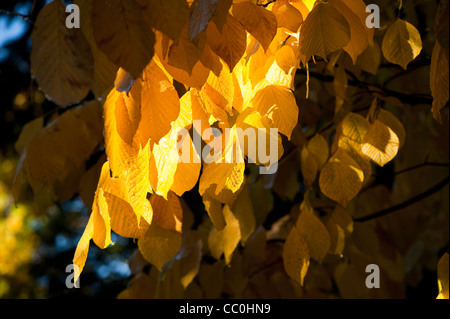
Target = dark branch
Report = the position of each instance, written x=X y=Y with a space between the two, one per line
x=411 y=99
x=23 y=16
x=406 y=203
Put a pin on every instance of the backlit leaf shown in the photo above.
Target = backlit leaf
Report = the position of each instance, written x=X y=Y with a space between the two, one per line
x=401 y=43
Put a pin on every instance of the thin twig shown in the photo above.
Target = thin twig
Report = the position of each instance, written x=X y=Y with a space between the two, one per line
x=23 y=16
x=406 y=203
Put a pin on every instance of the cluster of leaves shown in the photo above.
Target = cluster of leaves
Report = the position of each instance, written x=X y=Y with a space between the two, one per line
x=154 y=68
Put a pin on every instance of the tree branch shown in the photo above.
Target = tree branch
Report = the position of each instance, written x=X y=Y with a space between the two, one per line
x=412 y=99
x=23 y=16
x=406 y=203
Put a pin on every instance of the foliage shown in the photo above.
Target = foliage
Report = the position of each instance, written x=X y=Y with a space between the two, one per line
x=361 y=159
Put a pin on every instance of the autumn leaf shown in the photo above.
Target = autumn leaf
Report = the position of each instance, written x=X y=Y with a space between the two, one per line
x=401 y=43
x=61 y=59
x=325 y=30
x=258 y=21
x=127 y=42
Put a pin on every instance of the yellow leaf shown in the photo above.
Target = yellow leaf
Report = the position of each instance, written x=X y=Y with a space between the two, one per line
x=226 y=240
x=214 y=209
x=138 y=182
x=341 y=178
x=195 y=79
x=296 y=256
x=282 y=67
x=287 y=15
x=313 y=232
x=359 y=8
x=160 y=104
x=319 y=148
x=163 y=165
x=442 y=270
x=229 y=43
x=217 y=94
x=325 y=30
x=243 y=210
x=119 y=132
x=187 y=174
x=104 y=70
x=81 y=252
x=114 y=196
x=278 y=104
x=257 y=20
x=369 y=60
x=168 y=16
x=126 y=41
x=64 y=144
x=401 y=43
x=159 y=245
x=339 y=226
x=439 y=74
x=190 y=257
x=226 y=176
x=61 y=59
x=358 y=35
x=309 y=166
x=185 y=54
x=380 y=143
x=168 y=214
x=394 y=124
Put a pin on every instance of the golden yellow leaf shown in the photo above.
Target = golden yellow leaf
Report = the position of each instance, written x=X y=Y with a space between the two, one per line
x=325 y=30
x=401 y=43
x=159 y=245
x=226 y=240
x=217 y=94
x=369 y=60
x=229 y=43
x=278 y=104
x=394 y=124
x=309 y=166
x=138 y=182
x=214 y=209
x=185 y=54
x=61 y=59
x=64 y=144
x=168 y=16
x=226 y=176
x=318 y=147
x=163 y=165
x=439 y=74
x=296 y=256
x=339 y=226
x=442 y=270
x=243 y=210
x=195 y=79
x=167 y=213
x=119 y=131
x=341 y=178
x=160 y=104
x=257 y=20
x=126 y=41
x=313 y=232
x=358 y=36
x=104 y=70
x=380 y=143
x=287 y=15
x=282 y=67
